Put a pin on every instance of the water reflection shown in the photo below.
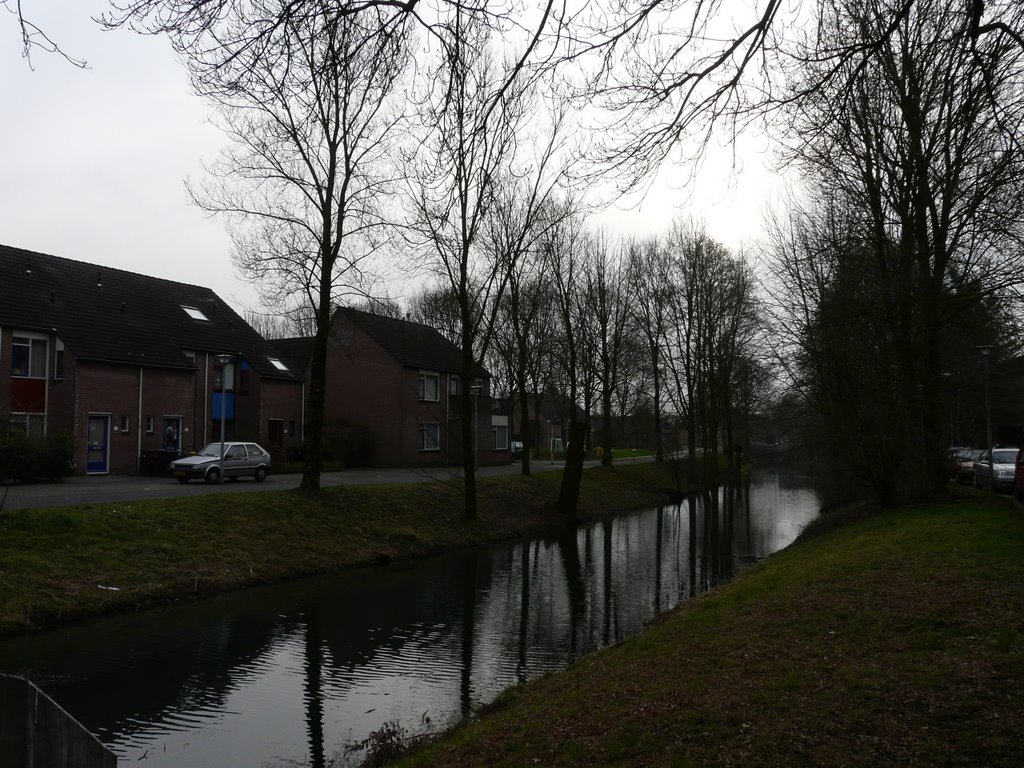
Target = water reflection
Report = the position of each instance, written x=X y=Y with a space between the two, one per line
x=288 y=674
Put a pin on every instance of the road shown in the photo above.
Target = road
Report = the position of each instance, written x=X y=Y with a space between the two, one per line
x=100 y=489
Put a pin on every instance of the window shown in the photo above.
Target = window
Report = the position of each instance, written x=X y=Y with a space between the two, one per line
x=235 y=452
x=453 y=385
x=172 y=433
x=429 y=386
x=223 y=377
x=499 y=433
x=278 y=364
x=31 y=424
x=126 y=423
x=28 y=357
x=58 y=361
x=429 y=437
x=149 y=425
x=195 y=313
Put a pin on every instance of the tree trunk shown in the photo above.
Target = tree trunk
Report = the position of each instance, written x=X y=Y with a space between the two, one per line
x=312 y=444
x=572 y=476
x=606 y=425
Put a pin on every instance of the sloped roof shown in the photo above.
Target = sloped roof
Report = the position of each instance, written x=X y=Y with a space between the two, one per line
x=412 y=344
x=297 y=352
x=117 y=316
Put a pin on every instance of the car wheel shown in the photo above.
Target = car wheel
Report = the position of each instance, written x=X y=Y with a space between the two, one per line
x=213 y=475
x=182 y=479
x=260 y=474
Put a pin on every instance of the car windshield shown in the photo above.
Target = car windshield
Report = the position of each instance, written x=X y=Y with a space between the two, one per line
x=1004 y=457
x=213 y=449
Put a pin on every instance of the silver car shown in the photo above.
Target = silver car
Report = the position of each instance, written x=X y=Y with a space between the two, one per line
x=997 y=464
x=239 y=459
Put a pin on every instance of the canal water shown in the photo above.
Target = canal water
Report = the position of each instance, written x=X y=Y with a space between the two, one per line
x=288 y=675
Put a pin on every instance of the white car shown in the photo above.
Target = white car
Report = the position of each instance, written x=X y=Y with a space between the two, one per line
x=239 y=459
x=996 y=466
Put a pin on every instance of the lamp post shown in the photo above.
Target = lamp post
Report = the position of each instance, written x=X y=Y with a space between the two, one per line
x=986 y=350
x=475 y=390
x=224 y=361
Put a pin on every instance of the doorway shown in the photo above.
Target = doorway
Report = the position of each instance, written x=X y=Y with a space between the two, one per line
x=97 y=454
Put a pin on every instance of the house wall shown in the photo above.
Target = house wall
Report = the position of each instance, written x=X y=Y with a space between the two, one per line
x=257 y=401
x=371 y=395
x=367 y=399
x=5 y=372
x=281 y=400
x=112 y=390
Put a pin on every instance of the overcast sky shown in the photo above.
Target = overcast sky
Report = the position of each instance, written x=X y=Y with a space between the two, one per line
x=93 y=161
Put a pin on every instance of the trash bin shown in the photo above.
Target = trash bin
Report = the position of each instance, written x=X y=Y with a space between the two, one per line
x=156 y=463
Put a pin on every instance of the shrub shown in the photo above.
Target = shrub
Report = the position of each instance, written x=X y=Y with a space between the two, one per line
x=24 y=460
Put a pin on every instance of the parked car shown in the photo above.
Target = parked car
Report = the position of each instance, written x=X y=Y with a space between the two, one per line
x=997 y=464
x=239 y=459
x=960 y=462
x=517 y=450
x=1018 y=476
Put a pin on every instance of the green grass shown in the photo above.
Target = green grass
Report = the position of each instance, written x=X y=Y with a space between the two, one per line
x=896 y=640
x=62 y=564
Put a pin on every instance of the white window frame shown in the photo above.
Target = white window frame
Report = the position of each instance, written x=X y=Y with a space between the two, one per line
x=436 y=377
x=31 y=337
x=421 y=436
x=194 y=312
x=24 y=422
x=497 y=429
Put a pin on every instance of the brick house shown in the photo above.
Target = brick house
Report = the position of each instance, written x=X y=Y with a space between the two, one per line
x=393 y=393
x=134 y=368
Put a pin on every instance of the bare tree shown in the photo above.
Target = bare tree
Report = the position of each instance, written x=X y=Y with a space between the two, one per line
x=35 y=38
x=610 y=311
x=649 y=276
x=923 y=146
x=438 y=307
x=563 y=247
x=474 y=120
x=524 y=210
x=303 y=178
x=274 y=326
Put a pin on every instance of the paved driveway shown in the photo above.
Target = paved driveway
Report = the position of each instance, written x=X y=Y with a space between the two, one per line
x=121 y=488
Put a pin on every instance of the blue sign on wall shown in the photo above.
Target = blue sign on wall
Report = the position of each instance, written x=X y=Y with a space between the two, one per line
x=229 y=403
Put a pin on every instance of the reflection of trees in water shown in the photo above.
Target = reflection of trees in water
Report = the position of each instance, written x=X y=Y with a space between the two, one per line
x=464 y=626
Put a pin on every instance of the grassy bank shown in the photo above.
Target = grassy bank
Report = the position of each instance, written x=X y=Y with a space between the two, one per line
x=895 y=640
x=63 y=564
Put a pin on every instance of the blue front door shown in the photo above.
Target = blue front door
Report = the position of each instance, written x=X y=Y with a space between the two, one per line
x=96 y=453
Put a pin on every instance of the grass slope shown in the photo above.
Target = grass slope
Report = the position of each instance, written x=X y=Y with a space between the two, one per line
x=896 y=640
x=82 y=561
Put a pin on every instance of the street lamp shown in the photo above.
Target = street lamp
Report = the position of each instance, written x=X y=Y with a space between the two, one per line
x=475 y=390
x=986 y=350
x=224 y=361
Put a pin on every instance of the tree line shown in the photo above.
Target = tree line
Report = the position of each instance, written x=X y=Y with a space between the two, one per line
x=458 y=132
